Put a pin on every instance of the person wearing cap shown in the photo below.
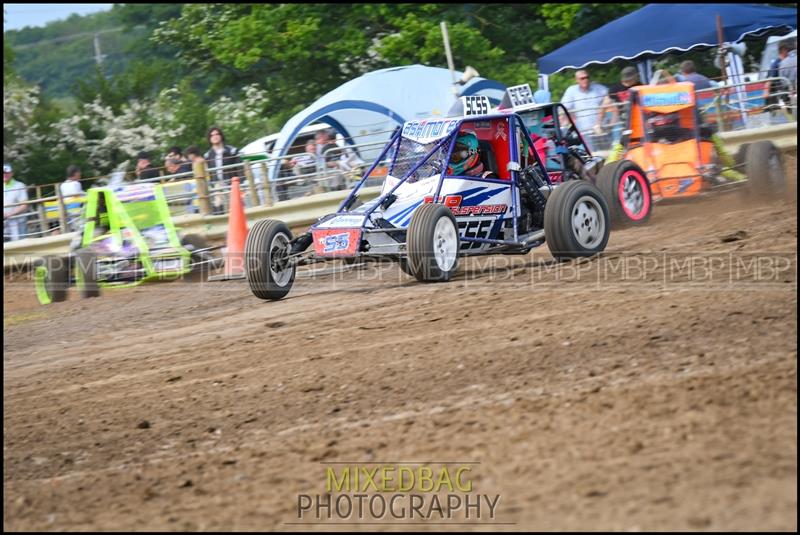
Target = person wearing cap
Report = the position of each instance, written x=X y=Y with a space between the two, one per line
x=13 y=192
x=616 y=101
x=582 y=100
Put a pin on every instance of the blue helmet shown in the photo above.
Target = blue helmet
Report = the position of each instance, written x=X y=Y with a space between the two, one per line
x=465 y=153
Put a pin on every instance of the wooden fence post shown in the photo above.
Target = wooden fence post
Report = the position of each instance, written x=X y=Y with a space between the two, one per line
x=266 y=185
x=43 y=226
x=251 y=183
x=62 y=211
x=200 y=171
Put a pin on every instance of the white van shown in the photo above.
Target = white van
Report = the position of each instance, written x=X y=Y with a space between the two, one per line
x=261 y=148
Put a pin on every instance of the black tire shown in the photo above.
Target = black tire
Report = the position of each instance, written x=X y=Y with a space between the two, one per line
x=404 y=267
x=764 y=168
x=576 y=220
x=428 y=260
x=56 y=281
x=86 y=271
x=633 y=205
x=267 y=242
x=741 y=157
x=199 y=261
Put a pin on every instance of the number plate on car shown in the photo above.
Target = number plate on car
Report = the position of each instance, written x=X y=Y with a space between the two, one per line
x=336 y=242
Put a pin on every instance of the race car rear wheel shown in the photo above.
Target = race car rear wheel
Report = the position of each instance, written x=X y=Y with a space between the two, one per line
x=86 y=273
x=627 y=192
x=764 y=169
x=266 y=253
x=433 y=243
x=52 y=280
x=200 y=261
x=576 y=221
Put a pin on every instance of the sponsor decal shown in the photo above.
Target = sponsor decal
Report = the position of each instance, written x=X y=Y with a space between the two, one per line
x=675 y=98
x=427 y=130
x=685 y=184
x=454 y=203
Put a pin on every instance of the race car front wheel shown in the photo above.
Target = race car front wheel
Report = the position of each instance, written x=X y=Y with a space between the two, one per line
x=433 y=243
x=576 y=221
x=266 y=259
x=86 y=273
x=51 y=280
x=627 y=191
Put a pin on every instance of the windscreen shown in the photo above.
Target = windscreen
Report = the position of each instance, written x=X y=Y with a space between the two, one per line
x=410 y=153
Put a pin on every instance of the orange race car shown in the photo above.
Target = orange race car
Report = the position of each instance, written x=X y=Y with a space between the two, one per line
x=679 y=154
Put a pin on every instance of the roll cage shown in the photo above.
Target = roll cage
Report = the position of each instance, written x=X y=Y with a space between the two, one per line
x=509 y=152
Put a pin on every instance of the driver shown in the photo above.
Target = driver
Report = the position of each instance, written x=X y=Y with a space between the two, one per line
x=666 y=127
x=466 y=160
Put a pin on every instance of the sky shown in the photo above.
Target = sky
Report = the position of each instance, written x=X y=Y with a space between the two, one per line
x=17 y=16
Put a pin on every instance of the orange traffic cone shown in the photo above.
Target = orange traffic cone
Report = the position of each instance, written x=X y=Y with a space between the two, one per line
x=237 y=234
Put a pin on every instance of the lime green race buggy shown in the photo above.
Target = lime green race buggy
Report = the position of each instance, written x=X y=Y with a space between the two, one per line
x=127 y=238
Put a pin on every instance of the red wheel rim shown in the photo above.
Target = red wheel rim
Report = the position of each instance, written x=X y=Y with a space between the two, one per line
x=634 y=195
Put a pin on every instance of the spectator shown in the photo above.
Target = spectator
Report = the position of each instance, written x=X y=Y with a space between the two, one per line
x=194 y=157
x=616 y=101
x=197 y=164
x=175 y=152
x=72 y=185
x=13 y=192
x=661 y=77
x=219 y=155
x=582 y=100
x=306 y=162
x=328 y=158
x=788 y=64
x=174 y=165
x=144 y=169
x=325 y=149
x=688 y=74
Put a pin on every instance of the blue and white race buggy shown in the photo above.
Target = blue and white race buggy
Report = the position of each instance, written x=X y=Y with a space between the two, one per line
x=429 y=212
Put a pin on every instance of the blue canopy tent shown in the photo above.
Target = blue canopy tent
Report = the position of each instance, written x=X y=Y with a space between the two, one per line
x=658 y=29
x=371 y=106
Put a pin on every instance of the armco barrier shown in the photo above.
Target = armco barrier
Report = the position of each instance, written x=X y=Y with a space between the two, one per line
x=305 y=210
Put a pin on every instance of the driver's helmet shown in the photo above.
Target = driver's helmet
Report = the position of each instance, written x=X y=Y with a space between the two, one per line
x=664 y=120
x=465 y=157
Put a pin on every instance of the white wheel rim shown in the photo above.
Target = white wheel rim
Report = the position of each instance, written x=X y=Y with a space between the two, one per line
x=588 y=223
x=280 y=242
x=445 y=244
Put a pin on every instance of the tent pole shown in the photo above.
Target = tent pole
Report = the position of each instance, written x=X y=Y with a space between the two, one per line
x=449 y=54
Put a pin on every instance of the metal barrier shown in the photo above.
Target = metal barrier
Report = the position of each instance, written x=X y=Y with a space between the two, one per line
x=724 y=108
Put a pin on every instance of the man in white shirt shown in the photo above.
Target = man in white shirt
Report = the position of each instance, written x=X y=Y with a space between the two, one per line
x=72 y=185
x=583 y=101
x=13 y=192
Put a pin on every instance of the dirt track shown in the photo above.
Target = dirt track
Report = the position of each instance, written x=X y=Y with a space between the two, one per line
x=593 y=398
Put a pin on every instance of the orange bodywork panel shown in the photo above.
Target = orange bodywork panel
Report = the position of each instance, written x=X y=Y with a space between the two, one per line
x=672 y=169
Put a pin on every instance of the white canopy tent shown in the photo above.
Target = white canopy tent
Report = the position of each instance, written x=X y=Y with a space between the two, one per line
x=367 y=109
